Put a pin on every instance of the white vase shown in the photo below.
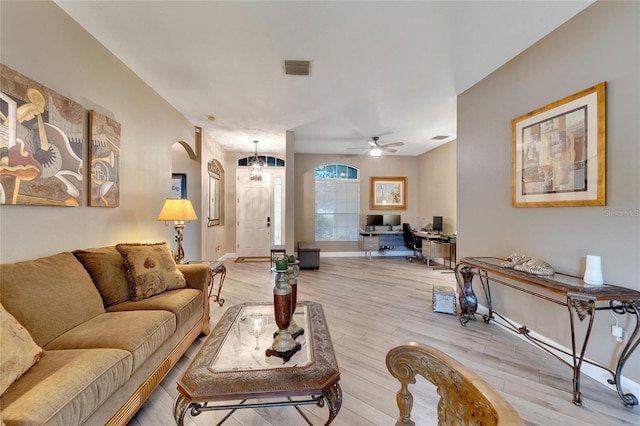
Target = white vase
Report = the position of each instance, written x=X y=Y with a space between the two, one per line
x=593 y=270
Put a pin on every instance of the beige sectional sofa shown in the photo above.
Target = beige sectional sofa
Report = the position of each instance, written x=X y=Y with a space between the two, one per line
x=104 y=347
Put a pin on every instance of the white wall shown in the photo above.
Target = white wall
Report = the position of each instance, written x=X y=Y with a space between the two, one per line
x=39 y=40
x=600 y=44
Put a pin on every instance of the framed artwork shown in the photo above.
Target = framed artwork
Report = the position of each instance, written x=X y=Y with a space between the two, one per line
x=104 y=157
x=179 y=185
x=388 y=193
x=41 y=139
x=558 y=153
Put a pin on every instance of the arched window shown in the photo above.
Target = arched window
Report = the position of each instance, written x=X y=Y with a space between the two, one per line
x=268 y=161
x=337 y=202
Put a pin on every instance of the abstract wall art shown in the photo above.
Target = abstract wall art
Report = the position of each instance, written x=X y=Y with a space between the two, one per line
x=41 y=138
x=558 y=153
x=104 y=157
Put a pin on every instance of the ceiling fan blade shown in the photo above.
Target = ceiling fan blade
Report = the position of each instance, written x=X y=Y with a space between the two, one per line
x=388 y=145
x=390 y=150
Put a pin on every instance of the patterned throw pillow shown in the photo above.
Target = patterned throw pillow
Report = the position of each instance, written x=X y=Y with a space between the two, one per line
x=150 y=269
x=19 y=352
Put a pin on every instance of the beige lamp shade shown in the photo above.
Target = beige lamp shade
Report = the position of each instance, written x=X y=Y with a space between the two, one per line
x=177 y=209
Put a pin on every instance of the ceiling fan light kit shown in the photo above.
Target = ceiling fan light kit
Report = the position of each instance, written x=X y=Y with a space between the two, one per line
x=376 y=148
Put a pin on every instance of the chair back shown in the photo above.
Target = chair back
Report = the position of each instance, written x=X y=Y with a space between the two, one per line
x=409 y=238
x=465 y=398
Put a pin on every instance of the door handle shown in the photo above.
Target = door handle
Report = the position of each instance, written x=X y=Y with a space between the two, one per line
x=268 y=221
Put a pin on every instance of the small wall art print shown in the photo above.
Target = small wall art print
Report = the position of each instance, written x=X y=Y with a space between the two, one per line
x=41 y=140
x=104 y=157
x=179 y=185
x=388 y=193
x=558 y=152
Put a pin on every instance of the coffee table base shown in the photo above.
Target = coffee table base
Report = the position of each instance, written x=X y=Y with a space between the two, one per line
x=333 y=398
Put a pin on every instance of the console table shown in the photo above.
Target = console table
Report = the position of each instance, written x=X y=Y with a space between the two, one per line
x=582 y=300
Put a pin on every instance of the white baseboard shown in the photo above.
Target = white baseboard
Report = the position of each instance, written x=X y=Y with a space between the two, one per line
x=596 y=373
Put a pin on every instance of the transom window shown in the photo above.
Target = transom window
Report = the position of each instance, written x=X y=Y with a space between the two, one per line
x=337 y=188
x=267 y=159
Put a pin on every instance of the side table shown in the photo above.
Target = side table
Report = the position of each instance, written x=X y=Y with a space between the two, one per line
x=217 y=268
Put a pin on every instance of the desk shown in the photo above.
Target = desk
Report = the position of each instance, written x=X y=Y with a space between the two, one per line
x=582 y=300
x=370 y=240
x=435 y=247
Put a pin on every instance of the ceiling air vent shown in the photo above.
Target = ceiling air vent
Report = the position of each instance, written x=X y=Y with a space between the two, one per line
x=439 y=138
x=292 y=67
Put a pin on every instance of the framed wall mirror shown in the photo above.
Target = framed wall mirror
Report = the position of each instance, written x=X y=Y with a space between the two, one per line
x=216 y=193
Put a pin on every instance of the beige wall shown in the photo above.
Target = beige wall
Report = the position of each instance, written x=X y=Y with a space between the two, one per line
x=42 y=42
x=437 y=187
x=561 y=64
x=305 y=165
x=181 y=162
x=220 y=239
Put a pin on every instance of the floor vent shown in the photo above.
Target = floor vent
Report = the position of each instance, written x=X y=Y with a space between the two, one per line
x=292 y=67
x=439 y=138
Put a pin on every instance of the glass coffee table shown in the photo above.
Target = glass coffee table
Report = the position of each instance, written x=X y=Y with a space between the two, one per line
x=232 y=365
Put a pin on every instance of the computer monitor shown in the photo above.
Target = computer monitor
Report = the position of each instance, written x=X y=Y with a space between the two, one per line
x=437 y=223
x=374 y=220
x=392 y=219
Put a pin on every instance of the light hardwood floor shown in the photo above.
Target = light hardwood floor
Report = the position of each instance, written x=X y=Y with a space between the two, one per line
x=372 y=305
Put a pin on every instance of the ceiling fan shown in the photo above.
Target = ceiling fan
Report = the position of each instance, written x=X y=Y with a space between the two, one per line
x=376 y=148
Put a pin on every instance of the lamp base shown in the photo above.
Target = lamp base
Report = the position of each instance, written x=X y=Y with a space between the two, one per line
x=178 y=256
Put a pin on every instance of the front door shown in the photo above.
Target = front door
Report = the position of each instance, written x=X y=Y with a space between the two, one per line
x=253 y=210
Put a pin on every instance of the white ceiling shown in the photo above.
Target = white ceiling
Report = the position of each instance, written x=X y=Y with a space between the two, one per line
x=385 y=68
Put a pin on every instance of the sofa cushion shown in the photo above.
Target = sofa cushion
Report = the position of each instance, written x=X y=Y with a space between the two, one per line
x=183 y=303
x=139 y=332
x=49 y=296
x=106 y=267
x=150 y=269
x=18 y=351
x=66 y=387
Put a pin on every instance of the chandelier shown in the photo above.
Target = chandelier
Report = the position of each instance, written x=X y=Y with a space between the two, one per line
x=255 y=166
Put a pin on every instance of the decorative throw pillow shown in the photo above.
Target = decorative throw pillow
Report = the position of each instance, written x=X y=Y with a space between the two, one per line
x=150 y=269
x=19 y=352
x=106 y=268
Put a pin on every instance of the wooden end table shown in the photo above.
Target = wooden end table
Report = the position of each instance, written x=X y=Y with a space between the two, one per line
x=232 y=365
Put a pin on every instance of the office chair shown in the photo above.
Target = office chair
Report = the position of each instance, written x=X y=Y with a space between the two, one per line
x=411 y=242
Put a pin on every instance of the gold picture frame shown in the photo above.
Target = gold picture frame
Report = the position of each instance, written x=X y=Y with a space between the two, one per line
x=558 y=153
x=388 y=193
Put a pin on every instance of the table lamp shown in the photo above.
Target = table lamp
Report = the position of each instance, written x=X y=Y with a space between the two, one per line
x=178 y=210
